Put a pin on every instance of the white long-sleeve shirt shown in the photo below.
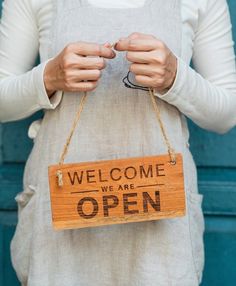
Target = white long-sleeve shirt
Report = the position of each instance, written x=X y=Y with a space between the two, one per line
x=207 y=94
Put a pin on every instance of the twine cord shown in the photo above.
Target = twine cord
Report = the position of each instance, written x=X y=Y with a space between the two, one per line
x=128 y=84
x=158 y=115
x=77 y=118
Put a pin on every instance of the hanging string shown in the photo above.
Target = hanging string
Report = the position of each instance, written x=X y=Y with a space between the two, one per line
x=77 y=118
x=171 y=151
x=129 y=84
x=158 y=115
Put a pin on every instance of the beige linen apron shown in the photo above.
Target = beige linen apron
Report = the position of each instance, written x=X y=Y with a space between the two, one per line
x=116 y=122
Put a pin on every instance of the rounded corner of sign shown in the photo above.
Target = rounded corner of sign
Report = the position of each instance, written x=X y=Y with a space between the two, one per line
x=55 y=226
x=183 y=212
x=179 y=156
x=51 y=167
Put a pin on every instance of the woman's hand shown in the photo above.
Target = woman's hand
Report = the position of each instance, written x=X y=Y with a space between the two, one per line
x=77 y=68
x=153 y=64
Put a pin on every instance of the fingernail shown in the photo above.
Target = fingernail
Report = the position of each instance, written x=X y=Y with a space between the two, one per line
x=107 y=44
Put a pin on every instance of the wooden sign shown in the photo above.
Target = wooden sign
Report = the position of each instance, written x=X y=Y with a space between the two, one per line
x=117 y=191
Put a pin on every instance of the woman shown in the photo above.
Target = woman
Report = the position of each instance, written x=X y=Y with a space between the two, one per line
x=155 y=41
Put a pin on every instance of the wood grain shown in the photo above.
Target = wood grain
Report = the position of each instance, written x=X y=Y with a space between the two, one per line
x=116 y=191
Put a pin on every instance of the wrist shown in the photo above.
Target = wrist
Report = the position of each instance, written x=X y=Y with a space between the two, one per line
x=173 y=72
x=47 y=78
x=178 y=83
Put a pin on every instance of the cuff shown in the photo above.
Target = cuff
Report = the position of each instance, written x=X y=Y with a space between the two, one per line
x=173 y=93
x=34 y=128
x=42 y=97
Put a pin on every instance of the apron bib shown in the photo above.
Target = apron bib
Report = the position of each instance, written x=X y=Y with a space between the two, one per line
x=88 y=194
x=116 y=122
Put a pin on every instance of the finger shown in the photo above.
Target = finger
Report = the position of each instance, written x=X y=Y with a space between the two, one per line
x=144 y=80
x=92 y=49
x=137 y=45
x=83 y=86
x=139 y=57
x=107 y=45
x=92 y=63
x=136 y=35
x=146 y=69
x=80 y=75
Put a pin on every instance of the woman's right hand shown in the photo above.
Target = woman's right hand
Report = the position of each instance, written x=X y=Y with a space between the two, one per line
x=77 y=68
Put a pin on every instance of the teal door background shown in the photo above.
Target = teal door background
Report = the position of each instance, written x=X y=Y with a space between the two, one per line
x=215 y=156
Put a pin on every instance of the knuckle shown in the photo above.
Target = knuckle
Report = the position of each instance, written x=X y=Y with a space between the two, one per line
x=137 y=78
x=154 y=58
x=128 y=56
x=134 y=35
x=66 y=49
x=67 y=75
x=78 y=46
x=73 y=89
x=161 y=45
x=159 y=72
x=163 y=59
x=69 y=48
x=92 y=85
x=155 y=61
x=79 y=62
x=98 y=74
x=67 y=84
x=153 y=75
x=162 y=72
x=132 y=44
x=97 y=49
x=155 y=84
x=101 y=63
x=66 y=62
x=159 y=82
x=132 y=68
x=159 y=57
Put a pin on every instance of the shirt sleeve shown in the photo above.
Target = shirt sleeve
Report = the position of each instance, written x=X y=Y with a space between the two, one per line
x=22 y=90
x=207 y=93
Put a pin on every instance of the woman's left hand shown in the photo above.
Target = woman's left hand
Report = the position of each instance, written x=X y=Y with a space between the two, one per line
x=152 y=62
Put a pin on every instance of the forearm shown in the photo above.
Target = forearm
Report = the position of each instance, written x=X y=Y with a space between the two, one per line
x=22 y=90
x=207 y=94
x=22 y=95
x=210 y=106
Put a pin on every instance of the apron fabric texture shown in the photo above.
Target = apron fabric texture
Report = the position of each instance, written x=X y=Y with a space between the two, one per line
x=116 y=122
